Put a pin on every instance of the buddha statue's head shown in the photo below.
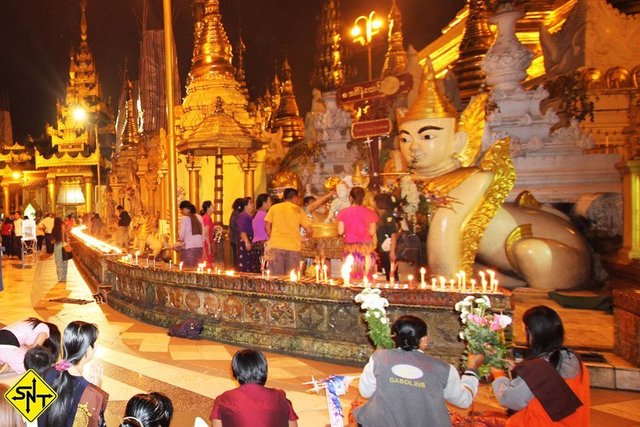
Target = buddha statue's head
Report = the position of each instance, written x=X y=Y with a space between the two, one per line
x=428 y=136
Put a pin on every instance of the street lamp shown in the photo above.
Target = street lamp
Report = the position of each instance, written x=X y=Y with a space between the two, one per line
x=365 y=27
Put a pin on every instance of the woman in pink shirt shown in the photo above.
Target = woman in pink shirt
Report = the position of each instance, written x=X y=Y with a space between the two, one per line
x=357 y=225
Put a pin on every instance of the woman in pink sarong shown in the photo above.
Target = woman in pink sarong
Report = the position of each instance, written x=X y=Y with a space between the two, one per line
x=209 y=247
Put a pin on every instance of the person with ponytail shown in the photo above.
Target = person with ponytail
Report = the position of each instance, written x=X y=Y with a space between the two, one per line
x=551 y=386
x=18 y=338
x=210 y=246
x=148 y=410
x=79 y=402
x=190 y=234
x=407 y=388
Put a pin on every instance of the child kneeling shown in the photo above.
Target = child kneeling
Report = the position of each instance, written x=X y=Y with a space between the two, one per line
x=252 y=404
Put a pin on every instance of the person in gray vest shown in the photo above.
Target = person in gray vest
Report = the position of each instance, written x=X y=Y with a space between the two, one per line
x=407 y=387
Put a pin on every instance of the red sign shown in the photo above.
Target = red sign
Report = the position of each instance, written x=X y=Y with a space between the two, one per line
x=369 y=128
x=378 y=88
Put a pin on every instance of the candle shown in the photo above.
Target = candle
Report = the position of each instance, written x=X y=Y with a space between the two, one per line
x=484 y=285
x=365 y=281
x=473 y=286
x=208 y=271
x=443 y=283
x=482 y=278
x=423 y=271
x=434 y=286
x=154 y=262
x=293 y=277
x=230 y=273
x=169 y=264
x=147 y=262
x=410 y=277
x=317 y=273
x=464 y=281
x=268 y=274
x=459 y=279
x=180 y=265
x=137 y=253
x=375 y=277
x=452 y=283
x=324 y=273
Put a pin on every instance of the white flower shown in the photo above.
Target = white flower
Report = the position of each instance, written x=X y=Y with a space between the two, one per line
x=461 y=335
x=503 y=320
x=384 y=320
x=376 y=314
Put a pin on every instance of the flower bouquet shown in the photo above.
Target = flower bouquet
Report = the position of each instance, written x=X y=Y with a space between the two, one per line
x=484 y=332
x=376 y=316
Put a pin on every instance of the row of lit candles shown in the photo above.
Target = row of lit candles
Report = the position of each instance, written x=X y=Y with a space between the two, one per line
x=488 y=282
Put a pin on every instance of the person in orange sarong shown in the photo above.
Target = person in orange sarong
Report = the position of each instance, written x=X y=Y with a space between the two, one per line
x=551 y=386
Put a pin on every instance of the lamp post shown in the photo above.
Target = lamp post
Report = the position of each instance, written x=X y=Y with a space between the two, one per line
x=364 y=28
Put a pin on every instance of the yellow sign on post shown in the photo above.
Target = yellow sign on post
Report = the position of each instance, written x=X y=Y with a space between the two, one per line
x=31 y=395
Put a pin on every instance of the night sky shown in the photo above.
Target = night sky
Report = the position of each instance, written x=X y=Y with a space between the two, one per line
x=36 y=37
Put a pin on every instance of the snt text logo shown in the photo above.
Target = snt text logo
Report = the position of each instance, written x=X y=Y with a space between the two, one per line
x=31 y=395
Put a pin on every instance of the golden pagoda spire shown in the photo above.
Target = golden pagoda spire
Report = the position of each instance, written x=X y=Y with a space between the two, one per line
x=276 y=88
x=240 y=71
x=331 y=70
x=476 y=41
x=395 y=60
x=288 y=115
x=130 y=134
x=212 y=50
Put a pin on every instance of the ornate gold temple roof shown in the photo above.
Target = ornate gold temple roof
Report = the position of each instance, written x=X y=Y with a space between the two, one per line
x=212 y=76
x=331 y=69
x=395 y=60
x=74 y=137
x=288 y=115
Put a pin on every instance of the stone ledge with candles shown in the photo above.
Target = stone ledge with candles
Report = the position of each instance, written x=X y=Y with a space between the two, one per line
x=292 y=314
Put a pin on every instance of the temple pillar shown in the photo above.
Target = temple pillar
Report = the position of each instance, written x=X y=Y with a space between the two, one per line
x=630 y=171
x=194 y=181
x=6 y=200
x=249 y=169
x=51 y=188
x=217 y=188
x=88 y=196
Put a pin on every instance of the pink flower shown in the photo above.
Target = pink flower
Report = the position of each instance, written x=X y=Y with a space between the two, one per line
x=500 y=321
x=477 y=319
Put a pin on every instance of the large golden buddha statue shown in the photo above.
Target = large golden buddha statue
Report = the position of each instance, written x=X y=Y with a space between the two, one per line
x=525 y=240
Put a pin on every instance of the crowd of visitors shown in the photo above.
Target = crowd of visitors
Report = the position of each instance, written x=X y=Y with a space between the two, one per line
x=405 y=386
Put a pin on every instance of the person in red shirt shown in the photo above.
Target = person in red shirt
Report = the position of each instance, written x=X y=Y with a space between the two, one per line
x=252 y=404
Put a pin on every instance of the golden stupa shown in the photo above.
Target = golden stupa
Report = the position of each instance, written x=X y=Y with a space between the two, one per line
x=395 y=60
x=287 y=116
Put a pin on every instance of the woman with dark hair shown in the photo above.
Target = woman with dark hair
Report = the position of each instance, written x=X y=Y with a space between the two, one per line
x=191 y=234
x=386 y=232
x=357 y=225
x=551 y=386
x=59 y=239
x=78 y=400
x=210 y=247
x=248 y=261
x=18 y=338
x=407 y=388
x=148 y=410
x=252 y=404
x=234 y=235
x=260 y=237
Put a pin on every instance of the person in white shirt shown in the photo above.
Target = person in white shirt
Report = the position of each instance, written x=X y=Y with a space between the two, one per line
x=47 y=225
x=407 y=387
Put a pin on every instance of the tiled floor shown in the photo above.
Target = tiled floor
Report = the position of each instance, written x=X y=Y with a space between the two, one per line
x=137 y=357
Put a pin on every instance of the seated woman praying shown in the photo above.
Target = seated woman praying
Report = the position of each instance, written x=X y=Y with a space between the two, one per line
x=407 y=387
x=551 y=386
x=252 y=404
x=17 y=338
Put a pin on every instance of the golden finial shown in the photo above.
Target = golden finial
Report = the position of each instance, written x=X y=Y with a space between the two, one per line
x=83 y=20
x=240 y=72
x=395 y=60
x=330 y=67
x=212 y=50
x=130 y=134
x=431 y=102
